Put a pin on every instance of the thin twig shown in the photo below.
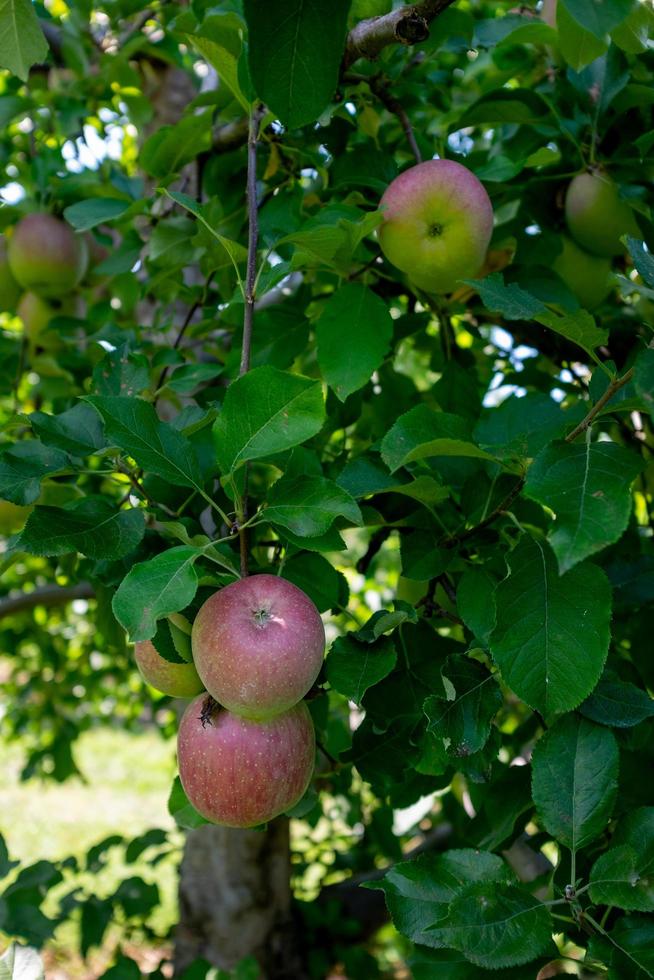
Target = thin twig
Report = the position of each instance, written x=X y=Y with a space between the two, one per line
x=182 y=330
x=408 y=25
x=599 y=404
x=379 y=87
x=258 y=113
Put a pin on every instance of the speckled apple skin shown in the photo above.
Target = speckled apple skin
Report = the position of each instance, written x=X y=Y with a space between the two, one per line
x=178 y=680
x=46 y=256
x=240 y=772
x=597 y=216
x=258 y=645
x=436 y=194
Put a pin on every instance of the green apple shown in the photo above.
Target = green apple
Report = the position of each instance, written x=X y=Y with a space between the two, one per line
x=438 y=221
x=596 y=215
x=46 y=256
x=587 y=276
x=35 y=314
x=9 y=289
x=177 y=680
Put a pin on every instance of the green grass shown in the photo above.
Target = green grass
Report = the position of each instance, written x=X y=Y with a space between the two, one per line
x=124 y=791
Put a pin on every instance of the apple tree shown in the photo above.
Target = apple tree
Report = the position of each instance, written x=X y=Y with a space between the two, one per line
x=358 y=298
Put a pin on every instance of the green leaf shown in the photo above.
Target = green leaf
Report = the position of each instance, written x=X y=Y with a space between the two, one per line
x=353 y=331
x=22 y=43
x=520 y=426
x=617 y=703
x=623 y=876
x=91 y=526
x=644 y=378
x=324 y=585
x=628 y=949
x=164 y=644
x=475 y=601
x=133 y=426
x=95 y=211
x=578 y=46
x=420 y=562
x=497 y=925
x=219 y=41
x=516 y=105
x=121 y=372
x=265 y=412
x=352 y=667
x=463 y=719
x=156 y=588
x=171 y=147
x=421 y=433
x=642 y=259
x=330 y=237
x=295 y=52
x=181 y=810
x=552 y=633
x=309 y=505
x=384 y=621
x=575 y=780
x=77 y=431
x=587 y=485
x=365 y=475
x=418 y=892
x=23 y=467
x=598 y=18
x=515 y=303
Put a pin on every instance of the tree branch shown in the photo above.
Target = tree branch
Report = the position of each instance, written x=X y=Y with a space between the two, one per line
x=257 y=115
x=230 y=136
x=46 y=595
x=599 y=404
x=380 y=88
x=408 y=25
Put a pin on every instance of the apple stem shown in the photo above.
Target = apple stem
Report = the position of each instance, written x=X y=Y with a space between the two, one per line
x=256 y=116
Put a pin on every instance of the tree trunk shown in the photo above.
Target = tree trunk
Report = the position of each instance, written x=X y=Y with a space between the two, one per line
x=235 y=901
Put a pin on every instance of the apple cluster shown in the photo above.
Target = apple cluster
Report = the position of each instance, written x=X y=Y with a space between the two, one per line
x=246 y=742
x=41 y=259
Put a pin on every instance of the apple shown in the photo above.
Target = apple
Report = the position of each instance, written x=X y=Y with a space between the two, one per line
x=240 y=772
x=438 y=221
x=46 y=256
x=9 y=289
x=178 y=680
x=258 y=645
x=596 y=215
x=587 y=276
x=35 y=314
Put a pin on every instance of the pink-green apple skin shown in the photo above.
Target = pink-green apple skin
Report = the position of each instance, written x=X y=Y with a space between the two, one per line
x=258 y=645
x=177 y=680
x=35 y=314
x=438 y=221
x=597 y=216
x=587 y=276
x=240 y=772
x=46 y=256
x=9 y=289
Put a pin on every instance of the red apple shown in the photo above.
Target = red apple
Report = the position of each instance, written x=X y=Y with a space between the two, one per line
x=46 y=256
x=258 y=645
x=240 y=772
x=178 y=680
x=438 y=221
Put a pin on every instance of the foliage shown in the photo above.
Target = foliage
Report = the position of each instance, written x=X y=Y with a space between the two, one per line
x=494 y=446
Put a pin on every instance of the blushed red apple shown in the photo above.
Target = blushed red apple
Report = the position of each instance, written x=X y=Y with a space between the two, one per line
x=46 y=256
x=596 y=215
x=438 y=221
x=258 y=645
x=178 y=680
x=240 y=772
